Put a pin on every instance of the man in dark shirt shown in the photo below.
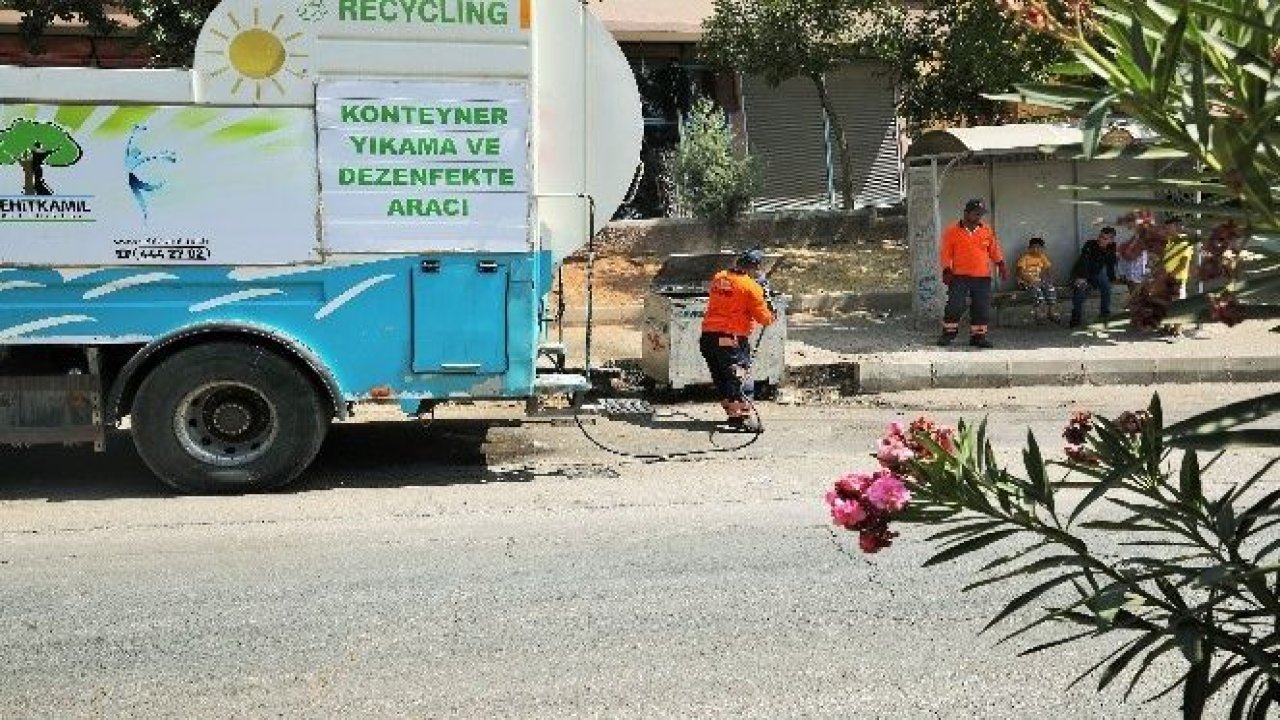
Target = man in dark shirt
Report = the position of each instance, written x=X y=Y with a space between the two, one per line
x=1096 y=267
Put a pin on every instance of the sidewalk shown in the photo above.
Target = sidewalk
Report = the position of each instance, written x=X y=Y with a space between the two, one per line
x=890 y=355
x=878 y=349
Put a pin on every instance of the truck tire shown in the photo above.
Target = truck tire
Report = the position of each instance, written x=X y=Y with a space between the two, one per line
x=227 y=418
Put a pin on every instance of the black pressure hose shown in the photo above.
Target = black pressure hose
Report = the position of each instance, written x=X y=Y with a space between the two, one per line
x=685 y=454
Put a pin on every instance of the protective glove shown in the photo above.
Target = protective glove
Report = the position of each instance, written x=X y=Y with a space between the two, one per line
x=947 y=276
x=1004 y=270
x=768 y=292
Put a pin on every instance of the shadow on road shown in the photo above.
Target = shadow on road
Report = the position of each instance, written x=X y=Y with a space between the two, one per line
x=59 y=474
x=363 y=455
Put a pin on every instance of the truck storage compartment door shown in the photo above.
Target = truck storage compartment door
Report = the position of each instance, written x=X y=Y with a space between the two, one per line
x=460 y=317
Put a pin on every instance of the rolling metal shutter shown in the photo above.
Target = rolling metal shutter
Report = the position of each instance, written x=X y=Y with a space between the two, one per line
x=787 y=131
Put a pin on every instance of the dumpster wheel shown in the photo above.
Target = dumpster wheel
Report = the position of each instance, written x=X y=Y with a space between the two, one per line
x=622 y=407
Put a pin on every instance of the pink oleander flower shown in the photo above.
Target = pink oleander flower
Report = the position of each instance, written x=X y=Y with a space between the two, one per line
x=1211 y=268
x=1133 y=422
x=853 y=485
x=865 y=503
x=901 y=445
x=1078 y=429
x=846 y=513
x=1082 y=455
x=874 y=540
x=1223 y=238
x=1225 y=308
x=888 y=493
x=893 y=453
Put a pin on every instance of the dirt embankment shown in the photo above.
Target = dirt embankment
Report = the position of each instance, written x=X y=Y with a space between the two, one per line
x=822 y=253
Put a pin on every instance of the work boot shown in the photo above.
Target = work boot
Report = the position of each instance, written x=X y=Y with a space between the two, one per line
x=746 y=424
x=946 y=339
x=980 y=341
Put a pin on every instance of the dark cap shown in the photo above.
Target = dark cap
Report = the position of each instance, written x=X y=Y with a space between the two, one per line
x=751 y=258
x=975 y=204
x=1035 y=240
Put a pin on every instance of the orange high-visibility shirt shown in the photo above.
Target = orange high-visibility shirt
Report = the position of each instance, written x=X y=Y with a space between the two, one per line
x=970 y=253
x=736 y=301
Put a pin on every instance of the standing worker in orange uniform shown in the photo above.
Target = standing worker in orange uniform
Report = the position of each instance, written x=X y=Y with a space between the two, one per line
x=968 y=249
x=736 y=303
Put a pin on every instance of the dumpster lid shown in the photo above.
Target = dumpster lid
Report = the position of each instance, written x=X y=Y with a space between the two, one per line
x=693 y=272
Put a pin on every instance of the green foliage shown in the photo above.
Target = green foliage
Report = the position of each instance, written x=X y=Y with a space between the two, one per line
x=781 y=39
x=39 y=15
x=711 y=180
x=784 y=39
x=168 y=29
x=1199 y=578
x=946 y=54
x=1205 y=76
x=1201 y=581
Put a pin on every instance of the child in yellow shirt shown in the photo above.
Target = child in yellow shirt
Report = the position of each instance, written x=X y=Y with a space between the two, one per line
x=1035 y=276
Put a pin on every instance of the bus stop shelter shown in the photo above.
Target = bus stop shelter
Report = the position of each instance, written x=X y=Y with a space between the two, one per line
x=1031 y=177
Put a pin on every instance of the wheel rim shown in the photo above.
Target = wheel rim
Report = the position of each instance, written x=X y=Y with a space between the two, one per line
x=226 y=424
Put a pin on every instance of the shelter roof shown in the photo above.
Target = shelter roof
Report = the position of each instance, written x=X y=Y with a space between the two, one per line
x=1018 y=139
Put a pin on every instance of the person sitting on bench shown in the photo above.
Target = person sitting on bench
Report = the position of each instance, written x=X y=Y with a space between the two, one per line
x=1096 y=267
x=1036 y=277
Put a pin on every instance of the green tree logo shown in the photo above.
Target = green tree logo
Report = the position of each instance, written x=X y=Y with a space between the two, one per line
x=33 y=145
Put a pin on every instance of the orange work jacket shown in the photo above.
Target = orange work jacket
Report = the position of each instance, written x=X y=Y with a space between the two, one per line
x=970 y=253
x=736 y=301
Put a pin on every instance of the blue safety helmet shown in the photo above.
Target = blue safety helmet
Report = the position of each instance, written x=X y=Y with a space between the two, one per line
x=751 y=258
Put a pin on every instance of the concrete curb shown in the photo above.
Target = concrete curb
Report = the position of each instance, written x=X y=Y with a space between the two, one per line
x=878 y=376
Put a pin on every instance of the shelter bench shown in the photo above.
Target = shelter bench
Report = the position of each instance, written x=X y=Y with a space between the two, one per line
x=1017 y=297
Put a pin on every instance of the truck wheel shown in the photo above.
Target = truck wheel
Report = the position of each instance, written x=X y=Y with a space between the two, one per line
x=227 y=418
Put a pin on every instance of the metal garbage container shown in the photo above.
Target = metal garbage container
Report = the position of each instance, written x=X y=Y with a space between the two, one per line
x=673 y=311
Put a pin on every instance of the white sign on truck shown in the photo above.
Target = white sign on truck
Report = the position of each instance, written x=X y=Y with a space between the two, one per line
x=424 y=166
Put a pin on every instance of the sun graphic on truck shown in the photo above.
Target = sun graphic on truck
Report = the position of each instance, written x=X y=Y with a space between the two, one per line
x=35 y=145
x=258 y=50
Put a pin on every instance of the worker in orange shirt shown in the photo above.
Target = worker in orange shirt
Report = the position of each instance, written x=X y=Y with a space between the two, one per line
x=969 y=247
x=736 y=304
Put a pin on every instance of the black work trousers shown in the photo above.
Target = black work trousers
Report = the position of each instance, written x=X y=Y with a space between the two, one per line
x=729 y=360
x=973 y=293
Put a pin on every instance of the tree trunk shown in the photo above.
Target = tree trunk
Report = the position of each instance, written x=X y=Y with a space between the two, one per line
x=842 y=141
x=28 y=176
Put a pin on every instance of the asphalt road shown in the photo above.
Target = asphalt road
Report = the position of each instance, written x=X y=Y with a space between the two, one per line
x=513 y=570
